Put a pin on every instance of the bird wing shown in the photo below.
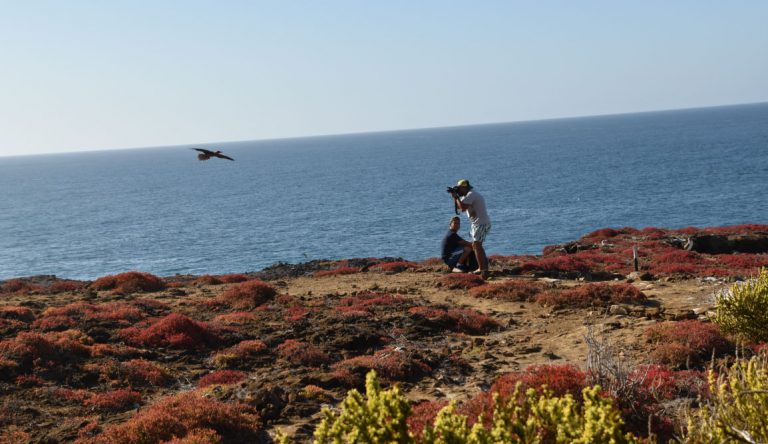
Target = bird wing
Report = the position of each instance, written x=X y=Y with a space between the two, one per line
x=224 y=157
x=210 y=153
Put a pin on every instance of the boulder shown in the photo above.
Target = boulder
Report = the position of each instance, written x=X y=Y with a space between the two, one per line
x=726 y=244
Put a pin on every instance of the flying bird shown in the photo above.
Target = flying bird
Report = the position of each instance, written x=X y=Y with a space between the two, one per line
x=206 y=154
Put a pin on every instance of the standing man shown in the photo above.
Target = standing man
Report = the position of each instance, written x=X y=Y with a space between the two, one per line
x=473 y=204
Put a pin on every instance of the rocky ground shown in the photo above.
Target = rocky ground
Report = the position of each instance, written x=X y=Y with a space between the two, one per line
x=79 y=360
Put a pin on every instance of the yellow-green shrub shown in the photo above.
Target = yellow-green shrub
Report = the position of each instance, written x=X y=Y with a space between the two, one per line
x=379 y=419
x=537 y=418
x=743 y=310
x=534 y=418
x=738 y=406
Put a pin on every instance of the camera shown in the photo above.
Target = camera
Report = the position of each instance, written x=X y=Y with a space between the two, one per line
x=454 y=191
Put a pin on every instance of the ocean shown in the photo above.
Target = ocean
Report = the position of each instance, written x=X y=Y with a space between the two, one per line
x=160 y=210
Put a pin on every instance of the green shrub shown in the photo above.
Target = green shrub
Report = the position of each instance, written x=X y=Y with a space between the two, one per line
x=743 y=310
x=736 y=411
x=537 y=418
x=532 y=418
x=382 y=418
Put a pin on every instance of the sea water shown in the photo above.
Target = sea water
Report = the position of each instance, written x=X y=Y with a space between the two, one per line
x=160 y=210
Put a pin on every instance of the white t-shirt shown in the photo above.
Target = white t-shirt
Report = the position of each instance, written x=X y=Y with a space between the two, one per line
x=476 y=212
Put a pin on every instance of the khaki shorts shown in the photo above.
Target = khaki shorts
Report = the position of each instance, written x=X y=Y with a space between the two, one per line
x=479 y=232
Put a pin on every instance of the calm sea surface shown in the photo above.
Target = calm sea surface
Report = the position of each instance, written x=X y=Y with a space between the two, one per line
x=161 y=210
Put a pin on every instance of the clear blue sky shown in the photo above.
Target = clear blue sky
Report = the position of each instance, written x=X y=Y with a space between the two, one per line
x=89 y=75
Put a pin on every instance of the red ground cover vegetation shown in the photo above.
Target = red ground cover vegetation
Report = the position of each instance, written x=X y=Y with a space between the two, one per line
x=390 y=363
x=65 y=285
x=53 y=356
x=302 y=353
x=686 y=343
x=603 y=253
x=423 y=414
x=591 y=295
x=366 y=302
x=458 y=319
x=650 y=386
x=509 y=290
x=80 y=313
x=235 y=318
x=461 y=280
x=240 y=353
x=114 y=401
x=174 y=331
x=22 y=314
x=233 y=278
x=664 y=384
x=119 y=351
x=25 y=286
x=142 y=373
x=209 y=279
x=432 y=262
x=129 y=282
x=27 y=381
x=296 y=313
x=338 y=271
x=221 y=377
x=184 y=416
x=248 y=295
x=560 y=379
x=558 y=266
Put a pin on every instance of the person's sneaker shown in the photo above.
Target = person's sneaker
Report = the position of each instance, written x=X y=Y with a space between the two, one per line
x=459 y=269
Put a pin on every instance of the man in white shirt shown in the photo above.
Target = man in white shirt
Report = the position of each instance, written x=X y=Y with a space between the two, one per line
x=473 y=204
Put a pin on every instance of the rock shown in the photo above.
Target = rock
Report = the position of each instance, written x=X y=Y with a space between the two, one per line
x=531 y=349
x=617 y=310
x=640 y=276
x=724 y=244
x=700 y=310
x=680 y=315
x=613 y=325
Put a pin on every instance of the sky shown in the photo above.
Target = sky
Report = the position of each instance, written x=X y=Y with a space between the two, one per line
x=91 y=75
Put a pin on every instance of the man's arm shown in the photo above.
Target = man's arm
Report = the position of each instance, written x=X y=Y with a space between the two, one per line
x=459 y=204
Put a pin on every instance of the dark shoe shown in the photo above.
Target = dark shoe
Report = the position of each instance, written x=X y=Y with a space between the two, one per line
x=482 y=273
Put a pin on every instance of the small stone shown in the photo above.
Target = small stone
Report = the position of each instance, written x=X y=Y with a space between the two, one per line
x=617 y=310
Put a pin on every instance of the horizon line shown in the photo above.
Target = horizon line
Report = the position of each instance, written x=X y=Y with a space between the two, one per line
x=384 y=131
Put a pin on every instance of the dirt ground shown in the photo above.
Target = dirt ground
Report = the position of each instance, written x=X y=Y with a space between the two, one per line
x=532 y=334
x=528 y=334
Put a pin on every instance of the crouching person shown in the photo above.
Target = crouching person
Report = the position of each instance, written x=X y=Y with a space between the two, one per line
x=457 y=253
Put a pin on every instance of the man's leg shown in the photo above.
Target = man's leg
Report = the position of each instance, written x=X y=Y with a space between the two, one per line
x=479 y=233
x=464 y=255
x=482 y=260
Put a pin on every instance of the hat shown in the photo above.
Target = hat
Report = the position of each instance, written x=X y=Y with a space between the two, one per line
x=463 y=183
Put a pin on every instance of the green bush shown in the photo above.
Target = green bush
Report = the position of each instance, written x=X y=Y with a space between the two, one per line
x=743 y=310
x=737 y=409
x=382 y=418
x=533 y=418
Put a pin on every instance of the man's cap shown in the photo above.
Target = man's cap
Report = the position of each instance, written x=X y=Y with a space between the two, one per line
x=463 y=183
